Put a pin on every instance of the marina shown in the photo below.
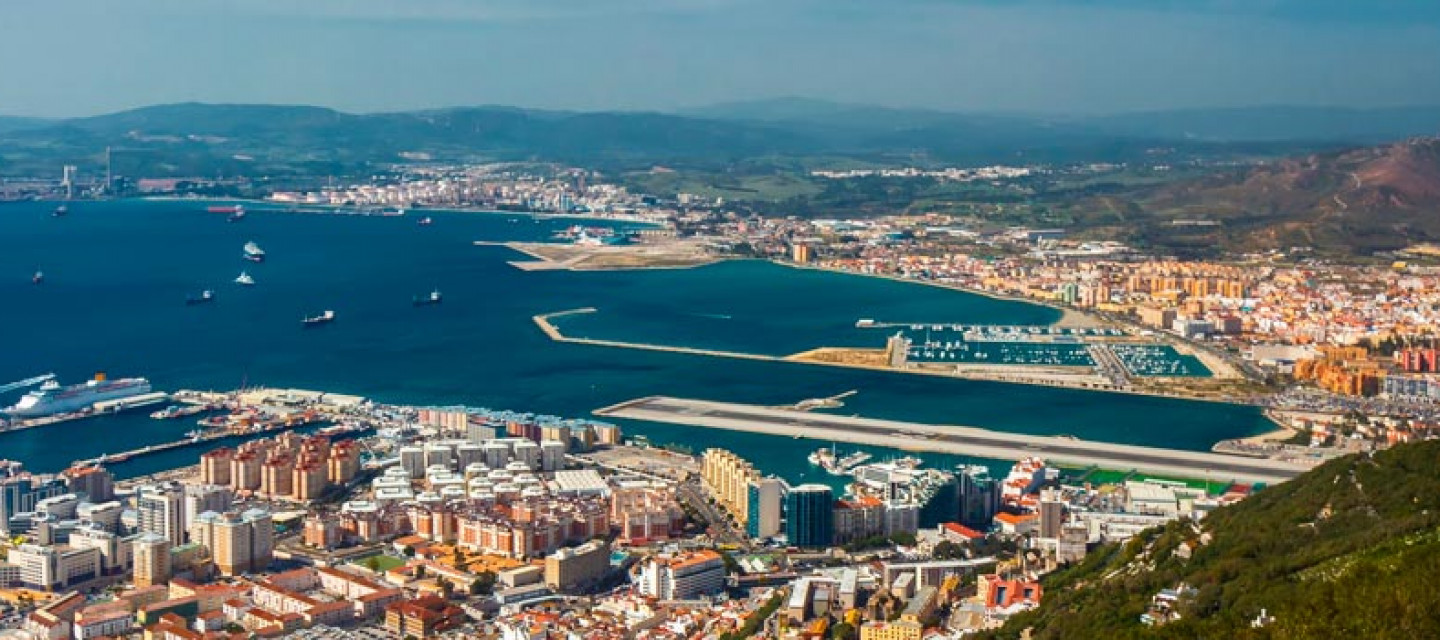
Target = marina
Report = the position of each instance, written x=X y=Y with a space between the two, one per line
x=1157 y=360
x=998 y=332
x=1023 y=353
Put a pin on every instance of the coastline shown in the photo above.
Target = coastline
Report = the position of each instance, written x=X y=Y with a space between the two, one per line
x=281 y=206
x=1069 y=318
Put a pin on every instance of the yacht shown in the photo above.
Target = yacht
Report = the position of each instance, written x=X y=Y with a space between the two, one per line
x=254 y=253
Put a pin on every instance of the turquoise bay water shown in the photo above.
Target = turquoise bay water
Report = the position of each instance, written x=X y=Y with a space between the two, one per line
x=117 y=275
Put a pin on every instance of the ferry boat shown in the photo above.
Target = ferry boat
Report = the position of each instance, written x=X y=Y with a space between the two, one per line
x=425 y=221
x=51 y=398
x=254 y=253
x=204 y=297
x=324 y=318
x=244 y=280
x=179 y=411
x=423 y=301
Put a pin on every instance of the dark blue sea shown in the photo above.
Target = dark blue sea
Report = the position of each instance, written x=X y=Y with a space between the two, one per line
x=117 y=275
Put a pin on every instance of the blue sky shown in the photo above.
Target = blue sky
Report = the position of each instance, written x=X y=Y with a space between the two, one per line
x=82 y=57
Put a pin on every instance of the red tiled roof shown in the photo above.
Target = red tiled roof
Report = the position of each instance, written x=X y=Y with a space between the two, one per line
x=962 y=530
x=1010 y=518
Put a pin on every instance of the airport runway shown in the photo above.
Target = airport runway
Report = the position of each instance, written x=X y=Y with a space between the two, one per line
x=969 y=441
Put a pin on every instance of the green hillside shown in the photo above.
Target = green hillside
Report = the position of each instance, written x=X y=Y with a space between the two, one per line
x=1350 y=550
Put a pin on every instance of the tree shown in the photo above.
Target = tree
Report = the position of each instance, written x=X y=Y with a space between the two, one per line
x=947 y=550
x=458 y=557
x=372 y=563
x=409 y=551
x=843 y=631
x=484 y=584
x=903 y=538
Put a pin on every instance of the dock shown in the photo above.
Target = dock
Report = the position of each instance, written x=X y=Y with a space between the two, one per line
x=257 y=412
x=968 y=441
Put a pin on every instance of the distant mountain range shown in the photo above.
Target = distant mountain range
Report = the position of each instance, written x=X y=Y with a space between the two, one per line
x=191 y=139
x=1221 y=125
x=1357 y=201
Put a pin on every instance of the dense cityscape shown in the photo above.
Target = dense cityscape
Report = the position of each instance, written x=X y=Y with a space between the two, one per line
x=420 y=522
x=719 y=320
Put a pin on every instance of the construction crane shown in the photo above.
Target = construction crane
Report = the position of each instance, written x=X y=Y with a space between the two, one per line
x=28 y=382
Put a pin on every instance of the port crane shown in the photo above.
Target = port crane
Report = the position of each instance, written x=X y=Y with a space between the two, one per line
x=28 y=382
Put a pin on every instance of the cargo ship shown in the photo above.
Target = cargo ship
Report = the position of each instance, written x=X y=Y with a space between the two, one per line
x=231 y=209
x=324 y=318
x=51 y=398
x=254 y=253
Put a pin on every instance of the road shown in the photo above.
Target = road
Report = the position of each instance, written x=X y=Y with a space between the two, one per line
x=953 y=439
x=690 y=493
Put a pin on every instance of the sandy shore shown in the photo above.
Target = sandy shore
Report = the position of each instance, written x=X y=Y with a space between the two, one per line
x=1069 y=318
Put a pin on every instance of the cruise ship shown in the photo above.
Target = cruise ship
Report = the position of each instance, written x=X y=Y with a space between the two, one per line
x=51 y=398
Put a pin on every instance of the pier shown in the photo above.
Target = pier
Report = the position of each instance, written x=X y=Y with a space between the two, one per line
x=543 y=321
x=254 y=413
x=970 y=441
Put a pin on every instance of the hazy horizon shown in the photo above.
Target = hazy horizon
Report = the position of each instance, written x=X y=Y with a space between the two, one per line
x=1045 y=57
x=692 y=110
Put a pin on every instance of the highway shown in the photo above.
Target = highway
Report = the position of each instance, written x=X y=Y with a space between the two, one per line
x=969 y=441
